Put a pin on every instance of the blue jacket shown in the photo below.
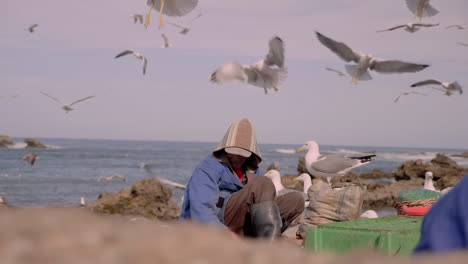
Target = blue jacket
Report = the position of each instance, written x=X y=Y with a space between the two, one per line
x=445 y=227
x=210 y=181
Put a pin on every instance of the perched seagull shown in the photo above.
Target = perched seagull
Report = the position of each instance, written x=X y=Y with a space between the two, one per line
x=447 y=87
x=369 y=214
x=30 y=158
x=421 y=8
x=169 y=8
x=82 y=202
x=166 y=43
x=428 y=183
x=32 y=28
x=410 y=27
x=185 y=29
x=137 y=55
x=337 y=71
x=275 y=177
x=366 y=62
x=137 y=18
x=407 y=93
x=305 y=178
x=463 y=44
x=459 y=26
x=66 y=107
x=330 y=166
x=266 y=73
x=110 y=178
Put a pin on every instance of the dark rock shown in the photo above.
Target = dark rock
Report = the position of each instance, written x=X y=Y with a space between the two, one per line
x=5 y=141
x=34 y=143
x=148 y=198
x=462 y=155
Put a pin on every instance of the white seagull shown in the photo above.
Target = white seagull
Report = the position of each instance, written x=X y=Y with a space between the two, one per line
x=458 y=26
x=110 y=178
x=340 y=73
x=169 y=8
x=408 y=93
x=185 y=29
x=429 y=184
x=369 y=214
x=266 y=73
x=330 y=166
x=275 y=177
x=366 y=62
x=305 y=178
x=137 y=55
x=410 y=27
x=66 y=107
x=32 y=28
x=166 y=43
x=137 y=18
x=447 y=87
x=421 y=8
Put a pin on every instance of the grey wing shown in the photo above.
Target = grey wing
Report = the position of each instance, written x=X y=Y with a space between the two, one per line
x=275 y=55
x=53 y=98
x=334 y=164
x=195 y=18
x=463 y=44
x=426 y=25
x=33 y=26
x=457 y=87
x=81 y=100
x=174 y=7
x=412 y=5
x=123 y=53
x=337 y=71
x=392 y=28
x=396 y=99
x=229 y=72
x=176 y=25
x=396 y=66
x=339 y=48
x=145 y=63
x=426 y=82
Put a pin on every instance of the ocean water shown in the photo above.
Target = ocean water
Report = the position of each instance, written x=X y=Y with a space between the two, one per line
x=69 y=169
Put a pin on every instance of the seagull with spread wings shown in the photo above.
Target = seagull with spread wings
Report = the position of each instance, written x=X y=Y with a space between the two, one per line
x=169 y=8
x=266 y=73
x=421 y=8
x=366 y=62
x=410 y=27
x=166 y=43
x=407 y=93
x=66 y=107
x=185 y=29
x=447 y=87
x=137 y=55
x=30 y=158
x=32 y=28
x=137 y=18
x=112 y=177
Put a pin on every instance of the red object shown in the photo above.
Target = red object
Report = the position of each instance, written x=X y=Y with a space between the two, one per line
x=416 y=210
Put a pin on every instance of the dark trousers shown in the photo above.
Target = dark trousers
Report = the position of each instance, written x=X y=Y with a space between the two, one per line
x=259 y=189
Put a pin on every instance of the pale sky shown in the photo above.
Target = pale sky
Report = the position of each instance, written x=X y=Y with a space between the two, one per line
x=71 y=56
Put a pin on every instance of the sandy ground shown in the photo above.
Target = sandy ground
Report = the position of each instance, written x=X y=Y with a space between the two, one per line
x=75 y=235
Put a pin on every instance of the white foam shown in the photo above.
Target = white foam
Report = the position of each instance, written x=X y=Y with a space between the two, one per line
x=286 y=151
x=19 y=145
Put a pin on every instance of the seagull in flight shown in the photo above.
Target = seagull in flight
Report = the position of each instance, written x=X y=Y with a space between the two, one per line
x=410 y=27
x=340 y=73
x=421 y=8
x=137 y=55
x=447 y=87
x=30 y=158
x=407 y=93
x=137 y=18
x=66 y=107
x=185 y=29
x=169 y=8
x=166 y=43
x=112 y=177
x=330 y=166
x=32 y=28
x=458 y=26
x=366 y=62
x=266 y=73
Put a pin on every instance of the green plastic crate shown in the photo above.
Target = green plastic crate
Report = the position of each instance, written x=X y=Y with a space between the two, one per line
x=392 y=235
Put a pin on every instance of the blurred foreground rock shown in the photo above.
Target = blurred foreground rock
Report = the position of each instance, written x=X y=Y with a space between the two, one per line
x=148 y=198
x=73 y=235
x=34 y=143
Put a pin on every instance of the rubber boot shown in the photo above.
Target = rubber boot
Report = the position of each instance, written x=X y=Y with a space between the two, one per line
x=266 y=220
